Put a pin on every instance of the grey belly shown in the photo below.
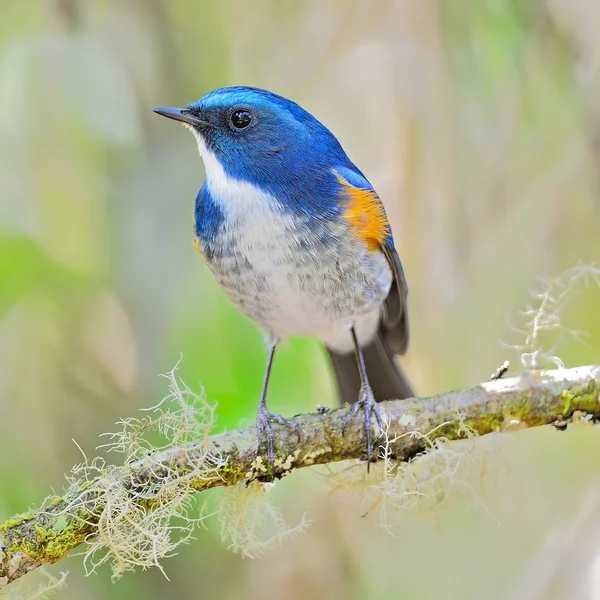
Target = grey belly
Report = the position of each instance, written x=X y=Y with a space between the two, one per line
x=291 y=285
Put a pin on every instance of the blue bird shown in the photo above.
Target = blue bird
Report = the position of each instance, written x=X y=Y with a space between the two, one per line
x=299 y=240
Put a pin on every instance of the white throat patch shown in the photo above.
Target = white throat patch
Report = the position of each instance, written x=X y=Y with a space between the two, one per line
x=236 y=198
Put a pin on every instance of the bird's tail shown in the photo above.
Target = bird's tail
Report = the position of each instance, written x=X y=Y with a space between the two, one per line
x=386 y=377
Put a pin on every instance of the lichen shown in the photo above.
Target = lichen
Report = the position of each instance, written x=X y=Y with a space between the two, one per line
x=414 y=411
x=310 y=457
x=17 y=520
x=541 y=321
x=250 y=524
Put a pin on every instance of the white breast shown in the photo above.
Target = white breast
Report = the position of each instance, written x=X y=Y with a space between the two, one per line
x=284 y=286
x=262 y=234
x=254 y=216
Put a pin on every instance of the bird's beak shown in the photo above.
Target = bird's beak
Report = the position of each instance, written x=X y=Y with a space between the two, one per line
x=180 y=114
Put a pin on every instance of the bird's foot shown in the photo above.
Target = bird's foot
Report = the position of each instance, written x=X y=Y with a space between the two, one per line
x=264 y=431
x=366 y=400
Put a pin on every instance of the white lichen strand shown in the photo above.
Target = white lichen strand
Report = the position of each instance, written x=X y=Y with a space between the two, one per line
x=135 y=525
x=250 y=524
x=392 y=488
x=541 y=329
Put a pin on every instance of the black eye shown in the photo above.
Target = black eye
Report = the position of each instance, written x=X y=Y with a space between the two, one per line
x=240 y=119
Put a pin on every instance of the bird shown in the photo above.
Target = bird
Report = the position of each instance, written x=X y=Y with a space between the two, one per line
x=299 y=240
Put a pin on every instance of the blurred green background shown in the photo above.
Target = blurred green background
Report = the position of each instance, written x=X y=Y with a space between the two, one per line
x=478 y=121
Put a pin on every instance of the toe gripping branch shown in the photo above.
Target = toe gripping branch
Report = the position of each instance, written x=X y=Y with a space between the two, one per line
x=265 y=434
x=264 y=418
x=366 y=400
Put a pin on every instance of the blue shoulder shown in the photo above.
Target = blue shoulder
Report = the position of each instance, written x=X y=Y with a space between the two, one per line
x=354 y=177
x=208 y=221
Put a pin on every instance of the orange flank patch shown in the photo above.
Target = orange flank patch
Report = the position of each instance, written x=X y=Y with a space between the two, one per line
x=365 y=213
x=197 y=246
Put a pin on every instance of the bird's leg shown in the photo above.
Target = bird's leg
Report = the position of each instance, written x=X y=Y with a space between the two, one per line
x=264 y=417
x=366 y=400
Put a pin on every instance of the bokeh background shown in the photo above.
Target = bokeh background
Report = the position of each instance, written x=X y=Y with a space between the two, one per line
x=478 y=121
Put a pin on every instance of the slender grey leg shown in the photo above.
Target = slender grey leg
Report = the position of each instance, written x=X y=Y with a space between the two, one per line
x=263 y=397
x=366 y=399
x=264 y=417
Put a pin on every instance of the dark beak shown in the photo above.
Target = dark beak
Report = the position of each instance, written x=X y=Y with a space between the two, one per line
x=180 y=114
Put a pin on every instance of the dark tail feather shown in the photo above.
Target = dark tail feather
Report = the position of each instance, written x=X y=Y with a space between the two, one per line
x=385 y=375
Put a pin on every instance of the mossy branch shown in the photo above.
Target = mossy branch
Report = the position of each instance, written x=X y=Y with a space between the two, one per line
x=47 y=534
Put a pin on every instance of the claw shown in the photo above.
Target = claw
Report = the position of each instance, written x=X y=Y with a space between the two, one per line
x=366 y=400
x=265 y=431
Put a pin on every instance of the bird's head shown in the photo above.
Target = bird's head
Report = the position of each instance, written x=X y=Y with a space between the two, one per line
x=259 y=137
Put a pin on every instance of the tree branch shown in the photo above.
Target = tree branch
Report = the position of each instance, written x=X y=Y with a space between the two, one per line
x=46 y=535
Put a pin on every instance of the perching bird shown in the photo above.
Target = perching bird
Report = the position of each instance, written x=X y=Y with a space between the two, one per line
x=300 y=242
